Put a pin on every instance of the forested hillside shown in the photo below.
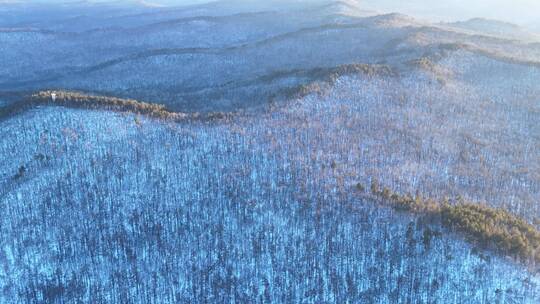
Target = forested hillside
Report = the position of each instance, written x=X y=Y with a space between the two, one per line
x=209 y=154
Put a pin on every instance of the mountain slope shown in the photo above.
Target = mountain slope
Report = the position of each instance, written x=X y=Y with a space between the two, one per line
x=495 y=28
x=224 y=153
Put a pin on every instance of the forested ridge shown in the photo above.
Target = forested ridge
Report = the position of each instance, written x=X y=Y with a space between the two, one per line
x=488 y=227
x=278 y=151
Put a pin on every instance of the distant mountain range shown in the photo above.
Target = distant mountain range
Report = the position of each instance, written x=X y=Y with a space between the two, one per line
x=266 y=152
x=496 y=28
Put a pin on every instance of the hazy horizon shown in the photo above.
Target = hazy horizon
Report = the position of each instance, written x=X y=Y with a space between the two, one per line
x=269 y=151
x=520 y=12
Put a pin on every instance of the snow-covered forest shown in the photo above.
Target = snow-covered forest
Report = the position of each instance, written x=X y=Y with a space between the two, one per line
x=245 y=175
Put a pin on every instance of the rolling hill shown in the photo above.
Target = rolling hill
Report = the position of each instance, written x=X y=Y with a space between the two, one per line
x=310 y=152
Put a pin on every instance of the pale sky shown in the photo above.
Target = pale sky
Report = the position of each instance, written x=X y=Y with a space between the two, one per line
x=522 y=12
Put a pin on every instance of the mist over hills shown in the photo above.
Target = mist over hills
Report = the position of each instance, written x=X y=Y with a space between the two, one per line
x=268 y=152
x=496 y=28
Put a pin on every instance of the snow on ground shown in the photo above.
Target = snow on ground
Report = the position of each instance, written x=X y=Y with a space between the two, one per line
x=117 y=209
x=102 y=207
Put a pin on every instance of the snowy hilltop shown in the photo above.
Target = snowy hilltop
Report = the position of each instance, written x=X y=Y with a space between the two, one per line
x=266 y=152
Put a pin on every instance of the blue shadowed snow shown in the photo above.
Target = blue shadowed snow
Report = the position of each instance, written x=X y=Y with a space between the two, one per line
x=162 y=213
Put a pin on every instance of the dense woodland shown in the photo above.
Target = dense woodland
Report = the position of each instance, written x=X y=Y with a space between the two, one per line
x=209 y=154
x=490 y=228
